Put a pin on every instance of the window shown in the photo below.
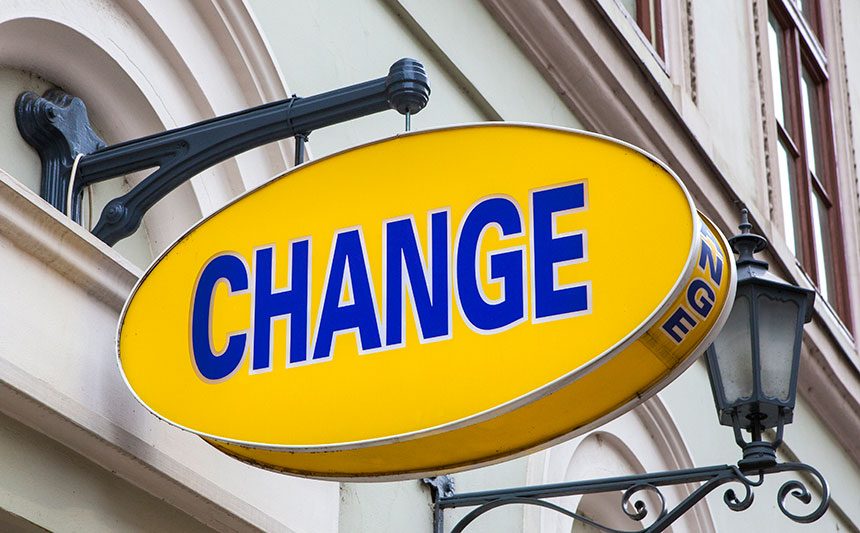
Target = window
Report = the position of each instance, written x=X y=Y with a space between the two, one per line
x=649 y=18
x=805 y=159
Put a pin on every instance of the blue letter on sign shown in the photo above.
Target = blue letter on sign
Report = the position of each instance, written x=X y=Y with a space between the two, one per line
x=430 y=294
x=506 y=266
x=711 y=262
x=212 y=366
x=550 y=251
x=271 y=304
x=348 y=265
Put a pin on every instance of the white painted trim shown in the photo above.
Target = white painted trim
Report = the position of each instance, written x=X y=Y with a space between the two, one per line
x=35 y=226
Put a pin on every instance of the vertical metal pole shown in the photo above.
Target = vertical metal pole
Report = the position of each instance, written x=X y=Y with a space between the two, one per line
x=440 y=487
x=438 y=517
x=300 y=139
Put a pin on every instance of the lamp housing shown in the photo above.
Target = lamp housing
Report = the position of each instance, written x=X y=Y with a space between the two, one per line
x=753 y=362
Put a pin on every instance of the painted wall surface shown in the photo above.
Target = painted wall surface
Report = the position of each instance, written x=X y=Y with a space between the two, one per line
x=19 y=159
x=850 y=41
x=321 y=46
x=728 y=102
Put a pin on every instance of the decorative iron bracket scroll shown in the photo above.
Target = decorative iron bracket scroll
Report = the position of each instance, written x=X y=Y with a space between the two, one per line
x=57 y=126
x=632 y=488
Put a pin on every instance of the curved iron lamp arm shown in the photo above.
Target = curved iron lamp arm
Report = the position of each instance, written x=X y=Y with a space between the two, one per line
x=632 y=505
x=58 y=127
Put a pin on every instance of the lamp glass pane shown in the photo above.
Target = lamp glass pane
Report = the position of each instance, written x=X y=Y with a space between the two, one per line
x=777 y=321
x=734 y=353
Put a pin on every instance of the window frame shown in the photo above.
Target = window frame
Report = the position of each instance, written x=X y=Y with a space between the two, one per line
x=803 y=54
x=638 y=14
x=644 y=21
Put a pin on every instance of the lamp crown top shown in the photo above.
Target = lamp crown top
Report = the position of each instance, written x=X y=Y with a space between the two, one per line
x=747 y=243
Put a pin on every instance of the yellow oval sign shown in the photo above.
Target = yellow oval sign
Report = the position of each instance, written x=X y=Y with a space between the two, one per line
x=428 y=303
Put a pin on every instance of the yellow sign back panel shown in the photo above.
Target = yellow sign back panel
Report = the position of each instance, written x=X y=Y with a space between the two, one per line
x=428 y=302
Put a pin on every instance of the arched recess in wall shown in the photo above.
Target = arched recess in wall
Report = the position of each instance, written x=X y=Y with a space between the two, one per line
x=645 y=439
x=143 y=67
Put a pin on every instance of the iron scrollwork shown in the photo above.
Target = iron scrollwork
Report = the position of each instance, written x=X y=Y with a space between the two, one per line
x=633 y=488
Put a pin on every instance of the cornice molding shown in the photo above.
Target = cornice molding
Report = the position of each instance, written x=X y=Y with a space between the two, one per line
x=33 y=225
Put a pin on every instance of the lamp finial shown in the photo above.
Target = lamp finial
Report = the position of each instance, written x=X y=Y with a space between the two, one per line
x=747 y=243
x=745 y=225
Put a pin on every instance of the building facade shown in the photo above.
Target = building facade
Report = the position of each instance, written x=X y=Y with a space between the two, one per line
x=752 y=103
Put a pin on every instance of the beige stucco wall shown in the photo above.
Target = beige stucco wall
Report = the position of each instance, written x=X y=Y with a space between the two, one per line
x=728 y=92
x=324 y=45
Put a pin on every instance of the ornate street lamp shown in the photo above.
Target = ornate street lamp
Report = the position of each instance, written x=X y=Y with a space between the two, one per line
x=753 y=368
x=754 y=361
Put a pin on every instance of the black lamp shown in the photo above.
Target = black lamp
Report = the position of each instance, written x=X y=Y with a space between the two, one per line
x=753 y=370
x=753 y=362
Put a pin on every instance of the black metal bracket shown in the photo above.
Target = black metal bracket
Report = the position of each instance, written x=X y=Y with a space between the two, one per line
x=57 y=126
x=632 y=489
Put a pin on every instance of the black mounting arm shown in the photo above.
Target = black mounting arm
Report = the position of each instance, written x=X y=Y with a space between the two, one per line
x=632 y=489
x=57 y=126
